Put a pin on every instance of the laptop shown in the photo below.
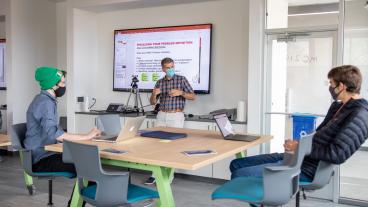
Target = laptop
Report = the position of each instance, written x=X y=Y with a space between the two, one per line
x=227 y=130
x=129 y=130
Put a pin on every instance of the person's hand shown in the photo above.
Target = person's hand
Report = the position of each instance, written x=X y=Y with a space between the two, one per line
x=156 y=91
x=94 y=133
x=175 y=92
x=291 y=145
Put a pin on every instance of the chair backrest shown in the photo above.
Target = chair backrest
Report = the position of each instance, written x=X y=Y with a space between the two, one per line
x=63 y=122
x=322 y=177
x=304 y=148
x=109 y=124
x=18 y=133
x=111 y=189
x=86 y=159
x=286 y=176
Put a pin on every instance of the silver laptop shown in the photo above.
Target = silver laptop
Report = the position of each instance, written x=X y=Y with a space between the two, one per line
x=129 y=130
x=228 y=132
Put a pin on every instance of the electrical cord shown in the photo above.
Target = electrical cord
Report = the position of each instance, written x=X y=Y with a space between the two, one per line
x=94 y=102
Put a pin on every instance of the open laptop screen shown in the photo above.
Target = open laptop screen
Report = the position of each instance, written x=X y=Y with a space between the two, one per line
x=224 y=124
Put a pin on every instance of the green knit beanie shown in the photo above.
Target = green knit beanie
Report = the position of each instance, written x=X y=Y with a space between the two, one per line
x=47 y=77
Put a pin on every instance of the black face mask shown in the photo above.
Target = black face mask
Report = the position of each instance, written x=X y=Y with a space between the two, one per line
x=60 y=91
x=332 y=92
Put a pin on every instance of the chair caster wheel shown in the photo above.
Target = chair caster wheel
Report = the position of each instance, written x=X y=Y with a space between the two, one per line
x=31 y=189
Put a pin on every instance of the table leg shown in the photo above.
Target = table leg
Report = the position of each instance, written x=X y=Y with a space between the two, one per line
x=163 y=177
x=28 y=179
x=77 y=199
x=241 y=154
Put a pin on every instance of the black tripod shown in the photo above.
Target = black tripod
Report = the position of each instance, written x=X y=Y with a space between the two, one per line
x=137 y=98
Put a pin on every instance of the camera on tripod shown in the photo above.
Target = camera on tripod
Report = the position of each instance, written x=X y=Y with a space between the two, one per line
x=137 y=98
x=134 y=81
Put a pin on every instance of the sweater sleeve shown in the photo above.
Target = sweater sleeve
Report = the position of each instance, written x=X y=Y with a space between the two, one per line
x=347 y=141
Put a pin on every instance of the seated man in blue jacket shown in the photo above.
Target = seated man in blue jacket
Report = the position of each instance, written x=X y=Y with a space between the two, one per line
x=341 y=133
x=43 y=123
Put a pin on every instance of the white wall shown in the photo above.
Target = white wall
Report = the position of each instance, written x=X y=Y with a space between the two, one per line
x=85 y=54
x=61 y=31
x=32 y=36
x=277 y=14
x=2 y=30
x=313 y=20
x=229 y=49
x=356 y=16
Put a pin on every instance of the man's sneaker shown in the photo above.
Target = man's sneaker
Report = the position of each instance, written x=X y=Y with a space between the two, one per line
x=150 y=181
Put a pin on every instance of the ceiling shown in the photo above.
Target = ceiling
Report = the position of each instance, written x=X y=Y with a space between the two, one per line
x=114 y=5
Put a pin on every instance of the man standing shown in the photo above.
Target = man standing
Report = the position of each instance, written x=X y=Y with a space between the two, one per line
x=173 y=90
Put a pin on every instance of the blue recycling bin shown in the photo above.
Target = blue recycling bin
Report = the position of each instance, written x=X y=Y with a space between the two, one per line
x=303 y=124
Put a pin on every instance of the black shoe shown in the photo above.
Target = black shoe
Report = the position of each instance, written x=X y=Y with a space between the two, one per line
x=150 y=181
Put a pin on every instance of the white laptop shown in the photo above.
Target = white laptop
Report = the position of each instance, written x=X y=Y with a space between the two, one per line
x=129 y=130
x=227 y=130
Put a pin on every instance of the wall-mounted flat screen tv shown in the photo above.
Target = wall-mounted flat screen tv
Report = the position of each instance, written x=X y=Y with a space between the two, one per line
x=138 y=52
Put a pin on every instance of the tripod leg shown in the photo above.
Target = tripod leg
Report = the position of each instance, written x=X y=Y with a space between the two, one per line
x=136 y=100
x=127 y=104
x=140 y=101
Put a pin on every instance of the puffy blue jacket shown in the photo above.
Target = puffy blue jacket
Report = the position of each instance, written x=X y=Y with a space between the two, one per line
x=339 y=136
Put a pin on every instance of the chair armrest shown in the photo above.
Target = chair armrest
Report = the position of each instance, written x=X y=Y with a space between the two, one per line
x=278 y=168
x=323 y=175
x=276 y=178
x=107 y=173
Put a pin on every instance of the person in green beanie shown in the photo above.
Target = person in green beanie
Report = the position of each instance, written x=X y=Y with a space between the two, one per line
x=43 y=123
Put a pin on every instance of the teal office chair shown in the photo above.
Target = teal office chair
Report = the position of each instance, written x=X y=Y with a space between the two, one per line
x=277 y=186
x=19 y=134
x=111 y=189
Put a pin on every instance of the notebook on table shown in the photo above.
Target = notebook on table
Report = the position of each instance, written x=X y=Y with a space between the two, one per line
x=163 y=135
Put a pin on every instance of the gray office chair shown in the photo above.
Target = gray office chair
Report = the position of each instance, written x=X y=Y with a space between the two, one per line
x=1 y=124
x=19 y=133
x=109 y=124
x=322 y=177
x=266 y=190
x=111 y=189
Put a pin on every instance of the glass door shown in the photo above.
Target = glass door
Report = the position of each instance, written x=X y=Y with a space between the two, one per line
x=297 y=66
x=353 y=173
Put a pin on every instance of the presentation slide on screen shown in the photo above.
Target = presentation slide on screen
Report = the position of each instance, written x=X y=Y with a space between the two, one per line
x=2 y=63
x=139 y=52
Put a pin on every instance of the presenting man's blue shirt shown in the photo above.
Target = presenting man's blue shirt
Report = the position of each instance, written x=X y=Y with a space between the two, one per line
x=42 y=125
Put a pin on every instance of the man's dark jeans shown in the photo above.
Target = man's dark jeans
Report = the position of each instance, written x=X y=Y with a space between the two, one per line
x=253 y=166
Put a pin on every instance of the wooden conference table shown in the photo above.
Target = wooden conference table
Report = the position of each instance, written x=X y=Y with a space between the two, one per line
x=162 y=157
x=4 y=140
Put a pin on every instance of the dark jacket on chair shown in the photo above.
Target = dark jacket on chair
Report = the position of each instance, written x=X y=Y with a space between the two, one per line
x=338 y=136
